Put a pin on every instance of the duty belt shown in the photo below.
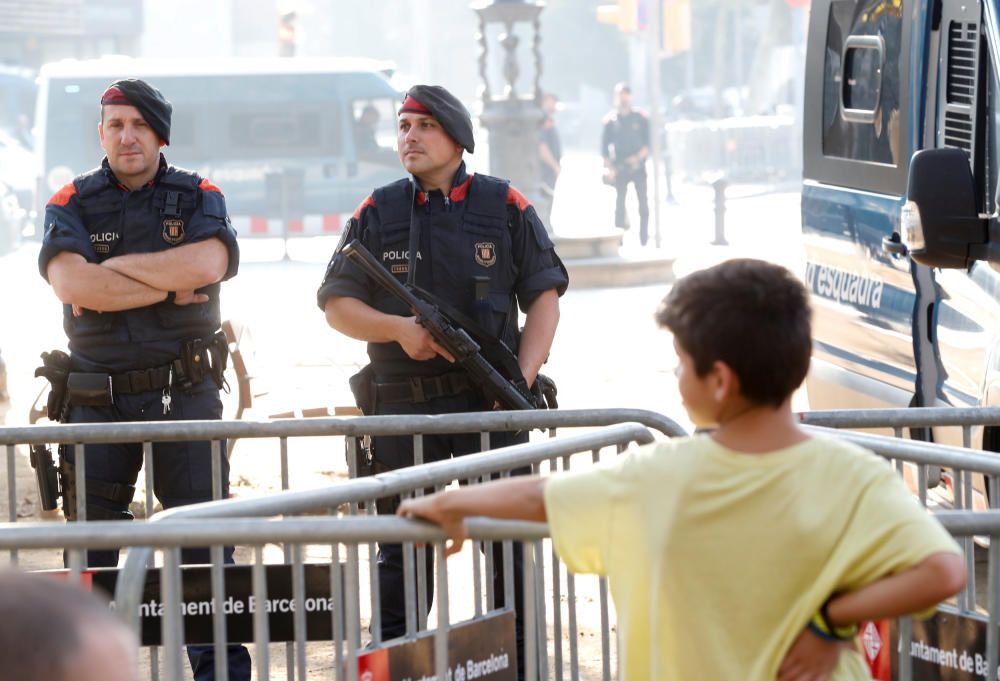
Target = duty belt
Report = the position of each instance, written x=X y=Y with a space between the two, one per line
x=423 y=388
x=142 y=380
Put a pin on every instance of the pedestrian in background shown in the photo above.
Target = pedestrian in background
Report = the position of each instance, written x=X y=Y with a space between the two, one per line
x=625 y=148
x=753 y=551
x=549 y=146
x=51 y=630
x=476 y=243
x=136 y=251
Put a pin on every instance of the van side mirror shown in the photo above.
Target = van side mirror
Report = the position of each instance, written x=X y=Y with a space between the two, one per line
x=940 y=223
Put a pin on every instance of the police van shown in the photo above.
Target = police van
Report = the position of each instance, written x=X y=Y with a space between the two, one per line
x=294 y=144
x=899 y=205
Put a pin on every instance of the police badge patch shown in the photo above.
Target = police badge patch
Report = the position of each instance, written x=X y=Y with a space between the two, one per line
x=486 y=253
x=173 y=231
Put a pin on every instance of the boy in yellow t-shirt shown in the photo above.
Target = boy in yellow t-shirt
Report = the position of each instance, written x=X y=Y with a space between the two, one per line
x=754 y=551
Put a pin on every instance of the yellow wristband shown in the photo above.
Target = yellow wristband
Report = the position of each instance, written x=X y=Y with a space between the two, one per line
x=821 y=627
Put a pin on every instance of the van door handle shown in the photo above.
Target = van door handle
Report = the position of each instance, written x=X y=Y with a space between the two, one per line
x=893 y=244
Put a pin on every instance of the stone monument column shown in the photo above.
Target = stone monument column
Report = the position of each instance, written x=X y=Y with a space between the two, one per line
x=513 y=118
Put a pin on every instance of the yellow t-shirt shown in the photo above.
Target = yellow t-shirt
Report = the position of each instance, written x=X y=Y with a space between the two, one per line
x=717 y=559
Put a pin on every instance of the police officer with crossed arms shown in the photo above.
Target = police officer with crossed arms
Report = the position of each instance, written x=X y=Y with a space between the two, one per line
x=136 y=250
x=476 y=243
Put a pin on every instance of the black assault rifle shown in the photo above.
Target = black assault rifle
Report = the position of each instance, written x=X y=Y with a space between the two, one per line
x=511 y=393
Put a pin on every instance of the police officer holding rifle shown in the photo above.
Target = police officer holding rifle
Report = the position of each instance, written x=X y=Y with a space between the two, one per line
x=475 y=248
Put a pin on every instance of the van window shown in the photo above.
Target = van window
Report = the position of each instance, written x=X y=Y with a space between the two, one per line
x=861 y=81
x=240 y=126
x=374 y=126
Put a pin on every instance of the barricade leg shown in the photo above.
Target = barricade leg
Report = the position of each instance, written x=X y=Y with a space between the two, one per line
x=11 y=494
x=339 y=611
x=441 y=635
x=531 y=652
x=261 y=630
x=993 y=587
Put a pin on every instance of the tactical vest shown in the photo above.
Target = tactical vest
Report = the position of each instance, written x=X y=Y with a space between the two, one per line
x=470 y=265
x=149 y=219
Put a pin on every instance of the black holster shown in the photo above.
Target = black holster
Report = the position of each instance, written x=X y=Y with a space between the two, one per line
x=200 y=357
x=55 y=369
x=46 y=475
x=118 y=493
x=363 y=388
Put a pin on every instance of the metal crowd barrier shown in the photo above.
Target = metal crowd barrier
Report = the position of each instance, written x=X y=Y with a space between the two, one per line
x=351 y=533
x=747 y=149
x=345 y=617
x=80 y=435
x=969 y=419
x=908 y=455
x=473 y=467
x=962 y=489
x=470 y=468
x=969 y=469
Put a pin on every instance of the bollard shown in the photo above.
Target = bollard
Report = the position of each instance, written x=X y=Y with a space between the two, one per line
x=719 y=186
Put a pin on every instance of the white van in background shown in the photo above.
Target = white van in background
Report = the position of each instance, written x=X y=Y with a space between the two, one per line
x=294 y=144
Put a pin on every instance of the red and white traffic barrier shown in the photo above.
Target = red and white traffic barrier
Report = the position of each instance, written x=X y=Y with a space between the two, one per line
x=310 y=225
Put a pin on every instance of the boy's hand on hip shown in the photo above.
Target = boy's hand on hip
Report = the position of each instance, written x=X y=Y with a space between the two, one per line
x=810 y=658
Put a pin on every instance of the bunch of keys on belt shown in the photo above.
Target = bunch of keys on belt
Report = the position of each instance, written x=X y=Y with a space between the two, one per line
x=166 y=392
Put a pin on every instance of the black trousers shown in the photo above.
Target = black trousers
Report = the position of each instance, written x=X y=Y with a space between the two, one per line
x=395 y=452
x=622 y=180
x=182 y=474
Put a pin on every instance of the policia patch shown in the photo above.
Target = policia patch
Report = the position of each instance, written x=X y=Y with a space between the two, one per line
x=173 y=231
x=486 y=253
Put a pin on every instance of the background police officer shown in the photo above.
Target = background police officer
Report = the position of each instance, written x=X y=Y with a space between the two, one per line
x=136 y=251
x=625 y=148
x=473 y=241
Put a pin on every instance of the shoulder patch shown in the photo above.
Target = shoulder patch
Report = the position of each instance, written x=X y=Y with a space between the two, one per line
x=370 y=201
x=459 y=193
x=516 y=197
x=62 y=197
x=207 y=186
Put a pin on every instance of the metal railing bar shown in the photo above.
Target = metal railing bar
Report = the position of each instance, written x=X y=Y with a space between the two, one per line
x=911 y=417
x=406 y=425
x=386 y=484
x=915 y=451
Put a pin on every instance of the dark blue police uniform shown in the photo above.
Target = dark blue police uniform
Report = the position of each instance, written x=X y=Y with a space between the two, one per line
x=624 y=135
x=149 y=351
x=484 y=251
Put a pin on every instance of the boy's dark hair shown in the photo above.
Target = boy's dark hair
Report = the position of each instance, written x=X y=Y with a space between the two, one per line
x=752 y=315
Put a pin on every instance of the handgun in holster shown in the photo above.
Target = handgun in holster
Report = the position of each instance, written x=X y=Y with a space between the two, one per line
x=199 y=358
x=363 y=388
x=55 y=369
